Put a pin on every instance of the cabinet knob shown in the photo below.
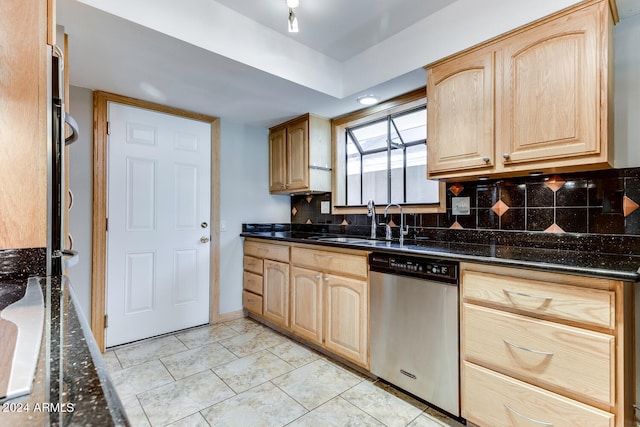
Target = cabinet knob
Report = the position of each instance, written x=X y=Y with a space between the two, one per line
x=485 y=159
x=506 y=156
x=204 y=239
x=317 y=277
x=283 y=186
x=326 y=279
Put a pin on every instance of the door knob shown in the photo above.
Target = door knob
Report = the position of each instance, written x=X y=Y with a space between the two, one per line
x=204 y=239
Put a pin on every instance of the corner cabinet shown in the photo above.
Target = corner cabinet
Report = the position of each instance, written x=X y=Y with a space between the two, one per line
x=545 y=348
x=300 y=156
x=538 y=99
x=266 y=281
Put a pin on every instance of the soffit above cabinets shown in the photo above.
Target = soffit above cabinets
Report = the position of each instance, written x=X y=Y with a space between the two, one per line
x=234 y=58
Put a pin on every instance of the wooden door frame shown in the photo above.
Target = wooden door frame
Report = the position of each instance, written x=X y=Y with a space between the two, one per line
x=99 y=233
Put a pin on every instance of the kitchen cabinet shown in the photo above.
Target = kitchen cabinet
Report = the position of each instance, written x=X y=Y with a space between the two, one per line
x=25 y=29
x=535 y=100
x=330 y=301
x=461 y=109
x=266 y=281
x=275 y=306
x=553 y=348
x=300 y=156
x=347 y=318
x=307 y=304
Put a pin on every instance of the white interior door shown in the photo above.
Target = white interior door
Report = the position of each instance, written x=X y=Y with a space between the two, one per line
x=158 y=253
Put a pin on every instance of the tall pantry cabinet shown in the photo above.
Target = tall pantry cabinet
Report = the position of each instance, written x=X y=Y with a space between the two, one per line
x=27 y=34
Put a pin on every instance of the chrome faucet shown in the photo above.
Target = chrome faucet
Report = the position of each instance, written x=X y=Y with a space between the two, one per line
x=403 y=231
x=371 y=212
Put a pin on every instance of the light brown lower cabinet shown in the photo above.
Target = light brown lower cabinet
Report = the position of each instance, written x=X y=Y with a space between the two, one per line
x=531 y=357
x=275 y=296
x=306 y=304
x=495 y=400
x=320 y=295
x=347 y=318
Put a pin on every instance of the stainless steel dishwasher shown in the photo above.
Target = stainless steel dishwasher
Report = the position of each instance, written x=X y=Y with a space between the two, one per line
x=414 y=332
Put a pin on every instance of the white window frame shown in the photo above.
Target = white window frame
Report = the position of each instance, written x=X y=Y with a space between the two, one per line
x=402 y=103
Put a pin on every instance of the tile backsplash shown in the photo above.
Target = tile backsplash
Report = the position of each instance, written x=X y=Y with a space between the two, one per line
x=599 y=202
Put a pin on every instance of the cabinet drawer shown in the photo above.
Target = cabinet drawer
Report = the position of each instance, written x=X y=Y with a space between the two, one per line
x=591 y=306
x=577 y=361
x=252 y=302
x=267 y=250
x=491 y=399
x=252 y=264
x=330 y=262
x=252 y=282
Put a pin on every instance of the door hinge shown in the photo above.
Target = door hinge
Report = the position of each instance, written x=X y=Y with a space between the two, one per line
x=106 y=220
x=108 y=128
x=106 y=321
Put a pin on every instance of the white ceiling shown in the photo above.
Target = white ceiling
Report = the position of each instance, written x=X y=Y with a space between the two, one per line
x=234 y=58
x=338 y=28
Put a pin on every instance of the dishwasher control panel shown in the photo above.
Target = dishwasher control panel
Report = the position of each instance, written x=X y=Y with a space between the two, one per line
x=425 y=268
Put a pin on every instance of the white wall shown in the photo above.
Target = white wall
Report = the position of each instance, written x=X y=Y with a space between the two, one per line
x=244 y=197
x=80 y=182
x=627 y=93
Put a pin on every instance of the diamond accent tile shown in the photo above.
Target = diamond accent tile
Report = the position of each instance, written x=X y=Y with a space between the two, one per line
x=294 y=211
x=554 y=228
x=554 y=183
x=309 y=199
x=456 y=188
x=500 y=208
x=628 y=206
x=391 y=223
x=309 y=221
x=456 y=226
x=344 y=222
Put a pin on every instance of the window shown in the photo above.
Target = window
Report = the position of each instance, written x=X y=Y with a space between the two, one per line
x=383 y=157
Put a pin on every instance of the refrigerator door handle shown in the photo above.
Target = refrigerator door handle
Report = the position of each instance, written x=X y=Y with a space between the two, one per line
x=73 y=255
x=74 y=129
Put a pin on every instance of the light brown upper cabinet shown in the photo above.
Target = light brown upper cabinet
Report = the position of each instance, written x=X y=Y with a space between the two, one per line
x=25 y=28
x=535 y=100
x=300 y=156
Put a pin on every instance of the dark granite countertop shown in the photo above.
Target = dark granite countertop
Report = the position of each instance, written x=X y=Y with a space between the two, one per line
x=71 y=385
x=583 y=262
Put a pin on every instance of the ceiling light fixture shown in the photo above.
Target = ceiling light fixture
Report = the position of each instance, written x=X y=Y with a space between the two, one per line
x=368 y=99
x=293 y=19
x=293 y=22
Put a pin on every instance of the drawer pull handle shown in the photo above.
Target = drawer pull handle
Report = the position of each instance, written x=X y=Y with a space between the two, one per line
x=546 y=353
x=545 y=297
x=323 y=256
x=544 y=423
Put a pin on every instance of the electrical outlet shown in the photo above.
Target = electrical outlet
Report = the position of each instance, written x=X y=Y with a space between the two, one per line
x=325 y=207
x=461 y=205
x=223 y=225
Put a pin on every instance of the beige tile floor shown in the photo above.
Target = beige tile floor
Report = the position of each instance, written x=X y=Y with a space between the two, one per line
x=241 y=373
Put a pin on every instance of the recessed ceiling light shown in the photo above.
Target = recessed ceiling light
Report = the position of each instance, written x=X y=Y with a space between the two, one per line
x=367 y=100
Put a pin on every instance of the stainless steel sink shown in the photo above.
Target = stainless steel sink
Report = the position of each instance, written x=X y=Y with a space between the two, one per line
x=352 y=240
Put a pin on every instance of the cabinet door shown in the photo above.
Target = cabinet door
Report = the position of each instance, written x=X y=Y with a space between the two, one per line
x=23 y=124
x=278 y=160
x=306 y=304
x=551 y=89
x=460 y=113
x=298 y=155
x=347 y=318
x=276 y=292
